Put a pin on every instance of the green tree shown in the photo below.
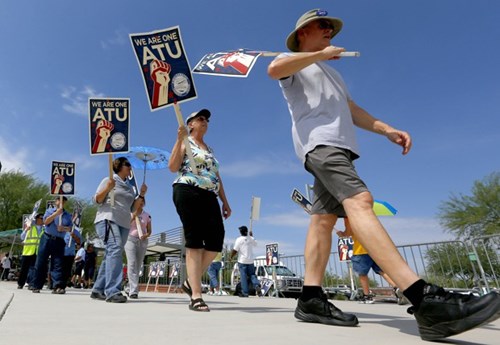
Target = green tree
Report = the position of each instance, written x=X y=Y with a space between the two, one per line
x=18 y=194
x=20 y=191
x=475 y=215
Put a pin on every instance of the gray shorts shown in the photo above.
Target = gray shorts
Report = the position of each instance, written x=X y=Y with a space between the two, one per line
x=335 y=179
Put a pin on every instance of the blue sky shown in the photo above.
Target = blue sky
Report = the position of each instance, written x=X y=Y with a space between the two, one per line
x=428 y=67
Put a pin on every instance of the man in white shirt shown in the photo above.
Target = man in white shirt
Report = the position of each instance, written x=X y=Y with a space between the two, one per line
x=6 y=267
x=244 y=247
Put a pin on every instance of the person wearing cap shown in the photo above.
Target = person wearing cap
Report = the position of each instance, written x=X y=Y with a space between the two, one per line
x=112 y=224
x=57 y=223
x=324 y=117
x=195 y=199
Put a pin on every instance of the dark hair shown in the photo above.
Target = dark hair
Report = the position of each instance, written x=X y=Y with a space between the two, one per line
x=243 y=230
x=39 y=216
x=119 y=163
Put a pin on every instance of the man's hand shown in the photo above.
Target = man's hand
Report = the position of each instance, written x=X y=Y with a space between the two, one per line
x=331 y=53
x=400 y=138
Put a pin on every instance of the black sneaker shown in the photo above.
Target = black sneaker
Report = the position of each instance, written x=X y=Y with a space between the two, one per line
x=35 y=290
x=320 y=310
x=98 y=295
x=442 y=314
x=366 y=299
x=134 y=296
x=118 y=298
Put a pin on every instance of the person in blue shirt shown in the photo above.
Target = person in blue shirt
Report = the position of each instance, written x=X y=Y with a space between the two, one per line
x=69 y=254
x=57 y=222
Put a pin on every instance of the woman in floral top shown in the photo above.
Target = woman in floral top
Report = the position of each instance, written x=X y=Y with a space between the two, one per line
x=195 y=198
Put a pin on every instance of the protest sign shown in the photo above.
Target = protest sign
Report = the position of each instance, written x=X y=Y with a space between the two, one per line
x=132 y=182
x=272 y=254
x=27 y=221
x=50 y=204
x=302 y=201
x=62 y=180
x=164 y=67
x=228 y=64
x=109 y=125
x=239 y=63
x=345 y=248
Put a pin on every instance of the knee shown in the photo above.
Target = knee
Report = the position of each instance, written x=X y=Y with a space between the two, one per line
x=359 y=202
x=323 y=222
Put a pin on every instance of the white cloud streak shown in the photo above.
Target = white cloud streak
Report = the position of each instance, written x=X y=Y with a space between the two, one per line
x=13 y=158
x=77 y=100
x=120 y=38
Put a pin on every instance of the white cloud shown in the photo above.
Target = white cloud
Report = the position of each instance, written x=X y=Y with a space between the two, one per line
x=296 y=219
x=78 y=99
x=261 y=166
x=13 y=158
x=414 y=230
x=120 y=38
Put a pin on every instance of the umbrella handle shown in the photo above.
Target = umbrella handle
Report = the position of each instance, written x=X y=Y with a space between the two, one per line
x=189 y=152
x=144 y=177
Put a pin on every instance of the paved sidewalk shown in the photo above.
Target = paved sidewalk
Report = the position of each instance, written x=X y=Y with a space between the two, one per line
x=46 y=319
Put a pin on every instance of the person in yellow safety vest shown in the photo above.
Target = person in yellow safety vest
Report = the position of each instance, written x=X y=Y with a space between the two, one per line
x=31 y=238
x=362 y=263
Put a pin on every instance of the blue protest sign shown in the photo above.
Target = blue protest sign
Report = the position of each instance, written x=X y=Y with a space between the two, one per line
x=133 y=182
x=62 y=178
x=164 y=67
x=272 y=254
x=109 y=128
x=301 y=200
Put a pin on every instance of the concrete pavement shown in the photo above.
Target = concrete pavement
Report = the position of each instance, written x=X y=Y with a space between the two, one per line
x=27 y=318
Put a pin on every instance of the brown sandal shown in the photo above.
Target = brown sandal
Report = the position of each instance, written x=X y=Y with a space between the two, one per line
x=198 y=304
x=187 y=288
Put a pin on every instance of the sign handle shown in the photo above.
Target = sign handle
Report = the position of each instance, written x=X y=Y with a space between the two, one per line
x=60 y=206
x=112 y=193
x=189 y=152
x=343 y=54
x=138 y=225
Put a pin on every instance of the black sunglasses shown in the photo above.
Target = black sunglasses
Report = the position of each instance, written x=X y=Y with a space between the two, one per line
x=325 y=24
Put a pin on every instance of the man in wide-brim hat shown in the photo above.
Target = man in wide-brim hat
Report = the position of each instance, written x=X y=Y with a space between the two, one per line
x=324 y=117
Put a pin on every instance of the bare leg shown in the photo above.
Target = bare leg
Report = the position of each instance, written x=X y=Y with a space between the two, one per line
x=388 y=279
x=197 y=261
x=318 y=246
x=372 y=235
x=365 y=284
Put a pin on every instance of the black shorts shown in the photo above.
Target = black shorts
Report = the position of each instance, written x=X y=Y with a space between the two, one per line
x=201 y=217
x=79 y=266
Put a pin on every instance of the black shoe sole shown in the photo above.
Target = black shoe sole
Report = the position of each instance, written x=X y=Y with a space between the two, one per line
x=447 y=329
x=98 y=297
x=306 y=317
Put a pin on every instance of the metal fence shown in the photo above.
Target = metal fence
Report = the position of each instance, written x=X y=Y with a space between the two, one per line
x=472 y=265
